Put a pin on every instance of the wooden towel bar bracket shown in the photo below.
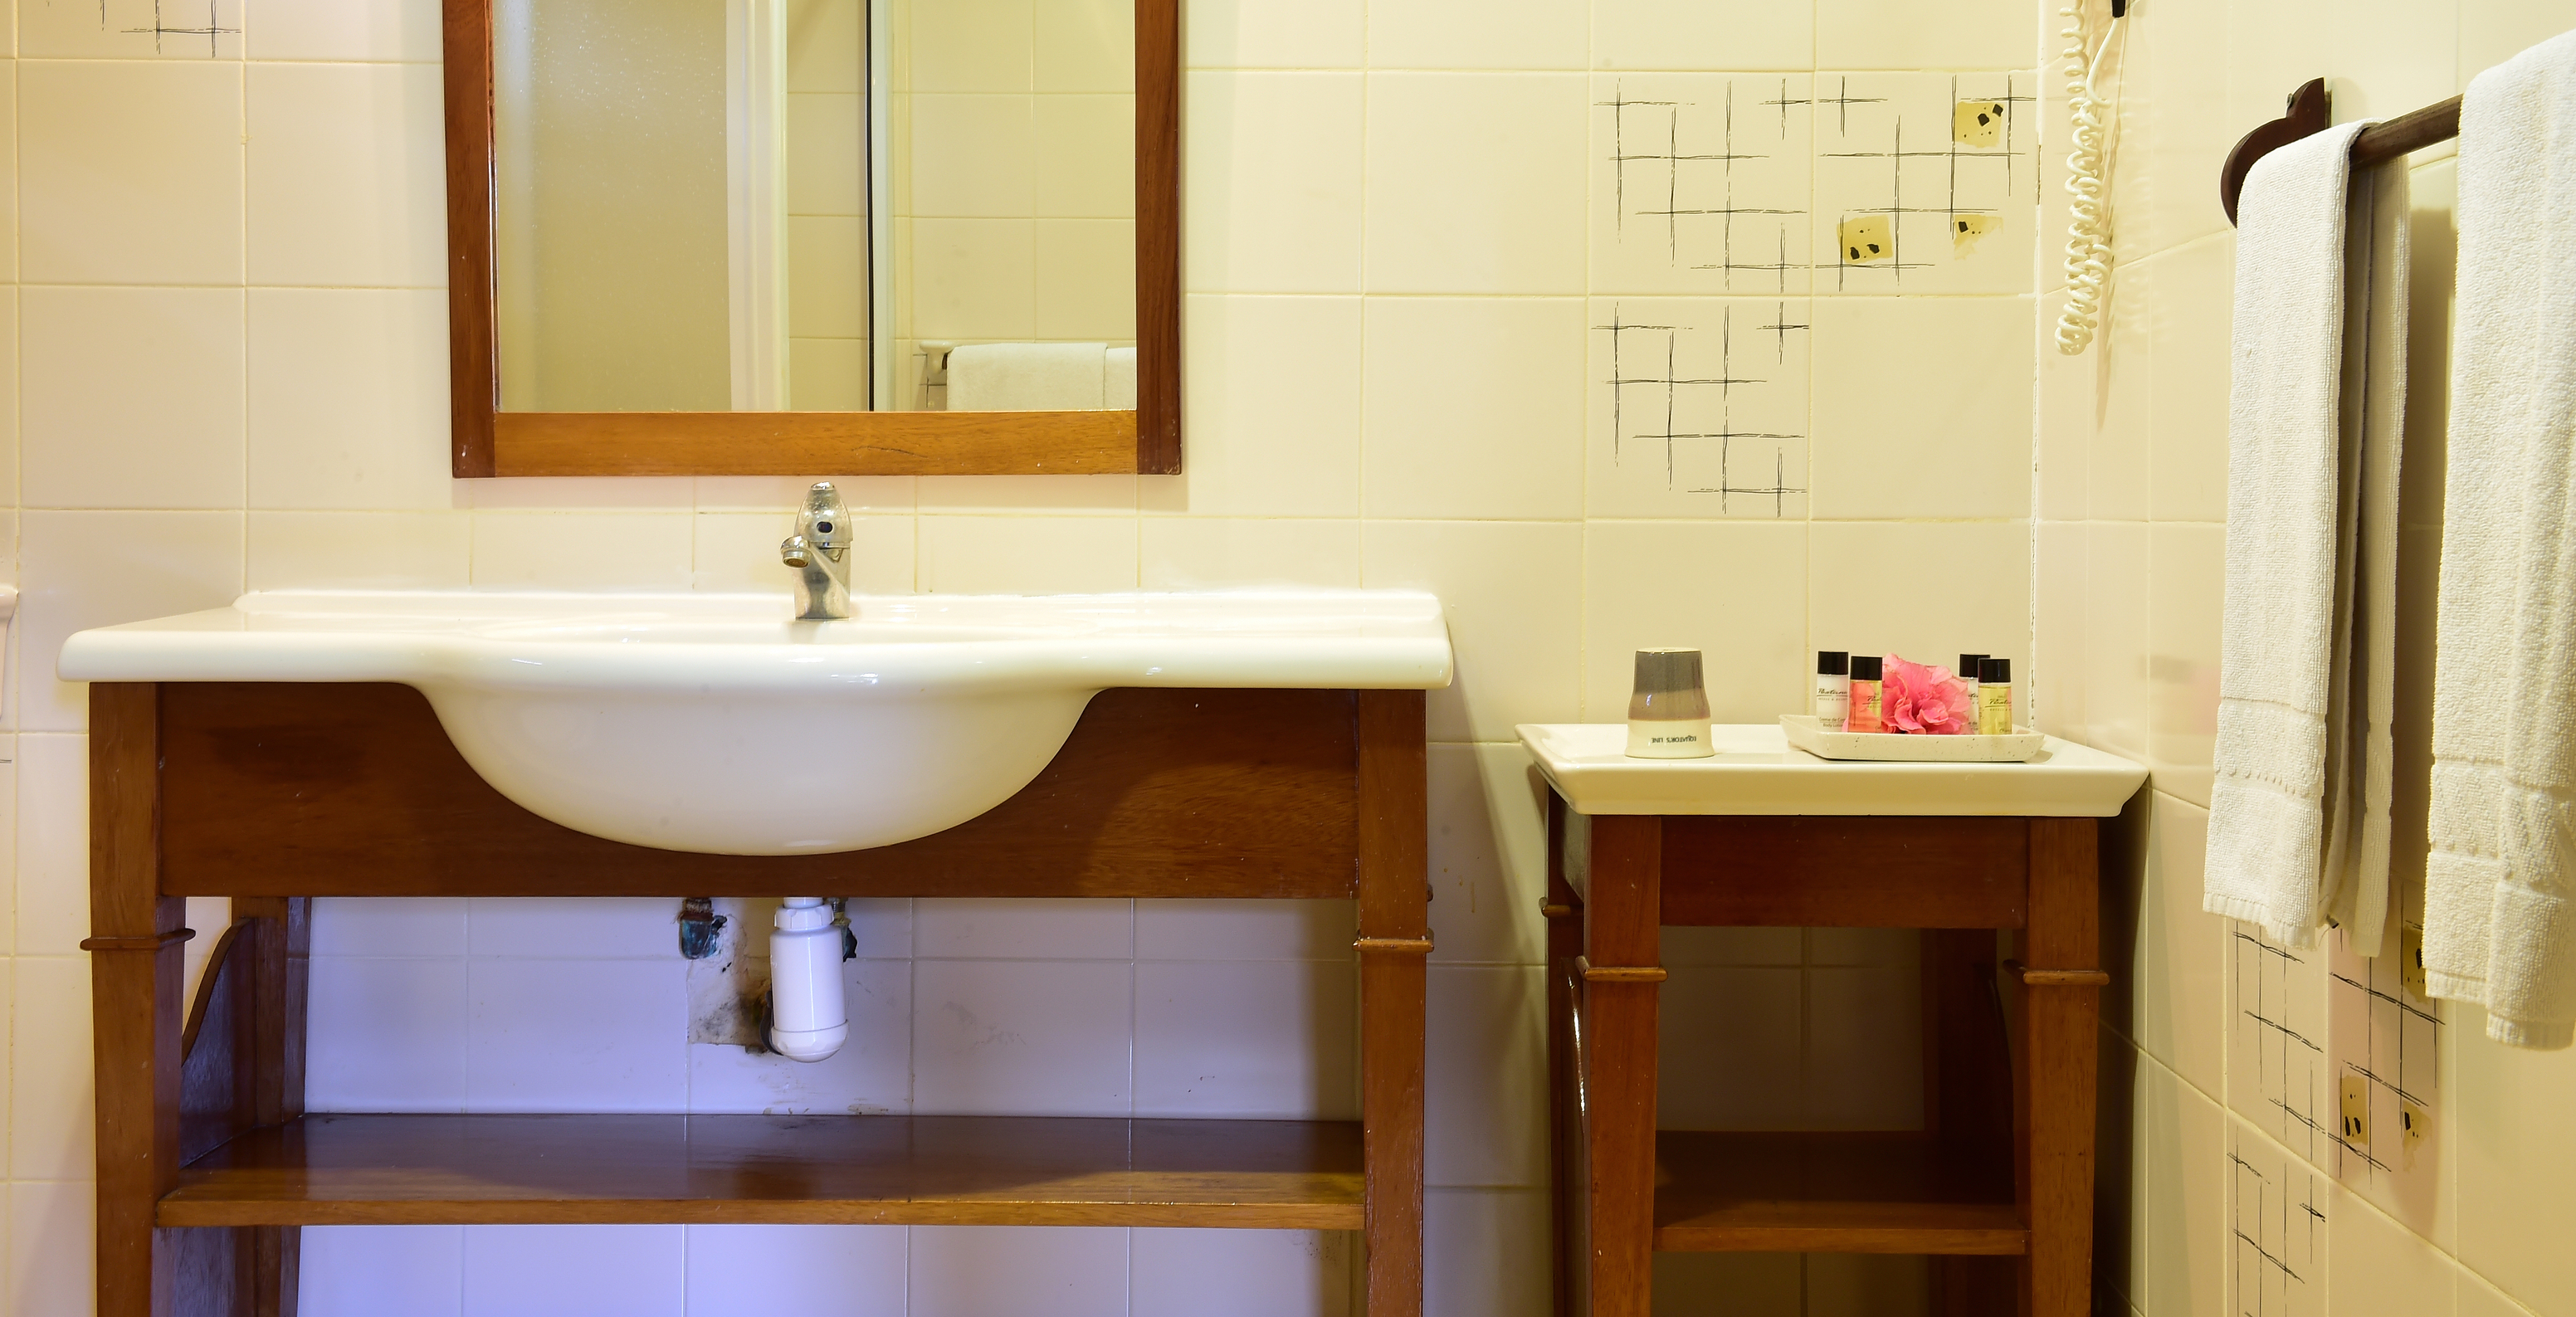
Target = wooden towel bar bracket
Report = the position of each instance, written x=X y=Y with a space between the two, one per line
x=2306 y=116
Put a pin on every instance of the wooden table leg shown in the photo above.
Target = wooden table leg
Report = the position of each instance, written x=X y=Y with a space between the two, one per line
x=2061 y=1002
x=1394 y=946
x=1622 y=971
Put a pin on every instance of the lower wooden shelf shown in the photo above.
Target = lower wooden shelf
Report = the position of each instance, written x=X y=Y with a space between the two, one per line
x=1832 y=1193
x=863 y=1170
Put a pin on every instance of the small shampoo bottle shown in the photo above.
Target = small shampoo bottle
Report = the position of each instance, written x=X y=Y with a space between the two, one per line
x=1833 y=689
x=1864 y=717
x=1668 y=714
x=1969 y=666
x=1994 y=697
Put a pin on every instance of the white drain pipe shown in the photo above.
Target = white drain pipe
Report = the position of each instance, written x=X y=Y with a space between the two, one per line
x=808 y=1020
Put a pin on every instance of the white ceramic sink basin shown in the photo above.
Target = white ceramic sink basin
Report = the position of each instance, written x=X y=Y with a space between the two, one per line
x=716 y=723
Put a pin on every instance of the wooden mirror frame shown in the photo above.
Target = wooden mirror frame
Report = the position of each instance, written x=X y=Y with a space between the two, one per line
x=492 y=442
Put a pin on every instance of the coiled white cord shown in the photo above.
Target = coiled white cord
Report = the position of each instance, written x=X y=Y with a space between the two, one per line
x=2088 y=236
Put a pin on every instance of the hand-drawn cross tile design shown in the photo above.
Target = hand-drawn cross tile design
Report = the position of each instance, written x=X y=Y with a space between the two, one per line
x=2276 y=1224
x=1698 y=407
x=176 y=29
x=1700 y=183
x=1925 y=182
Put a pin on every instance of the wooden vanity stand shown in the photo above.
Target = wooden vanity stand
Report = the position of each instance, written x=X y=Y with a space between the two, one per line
x=272 y=794
x=1997 y=1186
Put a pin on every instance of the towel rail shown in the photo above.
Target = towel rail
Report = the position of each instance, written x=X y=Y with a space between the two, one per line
x=2306 y=117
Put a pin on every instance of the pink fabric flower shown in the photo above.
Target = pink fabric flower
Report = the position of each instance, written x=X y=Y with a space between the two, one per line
x=1925 y=700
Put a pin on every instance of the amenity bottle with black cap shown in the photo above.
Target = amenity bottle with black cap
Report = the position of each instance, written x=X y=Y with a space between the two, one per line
x=1668 y=715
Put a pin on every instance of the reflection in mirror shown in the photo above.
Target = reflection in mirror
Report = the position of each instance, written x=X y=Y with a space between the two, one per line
x=682 y=207
x=1008 y=194
x=693 y=197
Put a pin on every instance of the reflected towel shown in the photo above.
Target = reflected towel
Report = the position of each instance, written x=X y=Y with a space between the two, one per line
x=2499 y=913
x=1028 y=377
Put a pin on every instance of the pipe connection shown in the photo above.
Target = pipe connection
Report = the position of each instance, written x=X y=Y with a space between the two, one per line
x=808 y=1018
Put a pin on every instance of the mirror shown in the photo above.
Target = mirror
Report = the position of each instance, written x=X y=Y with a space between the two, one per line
x=814 y=236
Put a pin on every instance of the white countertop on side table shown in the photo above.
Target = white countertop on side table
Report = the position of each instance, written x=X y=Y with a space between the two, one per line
x=1755 y=771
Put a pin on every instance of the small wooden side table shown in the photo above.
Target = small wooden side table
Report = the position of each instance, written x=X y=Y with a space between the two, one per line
x=1998 y=1184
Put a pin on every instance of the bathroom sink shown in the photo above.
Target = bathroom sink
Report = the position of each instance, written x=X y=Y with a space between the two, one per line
x=717 y=723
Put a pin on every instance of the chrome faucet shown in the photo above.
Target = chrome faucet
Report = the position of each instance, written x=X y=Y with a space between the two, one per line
x=820 y=553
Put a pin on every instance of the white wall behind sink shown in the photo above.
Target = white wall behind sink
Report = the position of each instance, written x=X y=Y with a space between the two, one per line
x=230 y=356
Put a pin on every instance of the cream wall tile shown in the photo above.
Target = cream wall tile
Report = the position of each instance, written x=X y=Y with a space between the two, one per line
x=784 y=494
x=1698 y=407
x=1463 y=34
x=1023 y=929
x=2190 y=571
x=1272 y=173
x=1919 y=187
x=1096 y=495
x=2124 y=438
x=780 y=1268
x=348 y=399
x=827 y=252
x=389 y=926
x=1702 y=182
x=1271 y=390
x=2477 y=1298
x=1944 y=419
x=1473 y=408
x=2389 y=58
x=1244 y=930
x=391 y=1271
x=1198 y=553
x=1488 y=856
x=2070 y=393
x=1864 y=1048
x=129 y=172
x=631 y=1015
x=1684 y=34
x=1022 y=1037
x=1063 y=1271
x=2119 y=637
x=53 y=1247
x=2181 y=990
x=1085 y=271
x=1736 y=591
x=827 y=374
x=1084 y=156
x=584 y=493
x=9 y=234
x=1716 y=1026
x=1974 y=597
x=347 y=175
x=972 y=46
x=1485 y=1253
x=2186 y=121
x=588 y=551
x=405 y=30
x=2511 y=1137
x=970 y=156
x=389 y=1034
x=125 y=30
x=1083 y=46
x=827 y=46
x=529 y=927
x=1891 y=34
x=52 y=1121
x=972 y=279
x=52 y=862
x=1307 y=34
x=1485 y=1089
x=1245 y=1273
x=9 y=831
x=133 y=398
x=633 y=1271
x=2378 y=1265
x=1475 y=182
x=2267 y=47
x=738 y=551
x=2193 y=295
x=1027 y=555
x=2493 y=31
x=86 y=569
x=1254 y=1039
x=827 y=152
x=870 y=1075
x=2184 y=1167
x=2056 y=694
x=1514 y=598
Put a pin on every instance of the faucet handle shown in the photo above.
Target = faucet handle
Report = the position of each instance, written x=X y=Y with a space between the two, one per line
x=825 y=523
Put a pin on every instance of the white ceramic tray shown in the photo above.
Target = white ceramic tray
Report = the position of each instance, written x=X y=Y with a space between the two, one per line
x=1899 y=747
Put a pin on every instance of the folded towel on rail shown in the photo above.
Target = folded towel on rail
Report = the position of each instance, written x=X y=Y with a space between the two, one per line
x=1028 y=377
x=2287 y=564
x=2500 y=912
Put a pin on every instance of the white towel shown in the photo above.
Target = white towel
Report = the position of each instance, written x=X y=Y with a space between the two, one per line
x=2267 y=824
x=1028 y=377
x=2377 y=254
x=2498 y=925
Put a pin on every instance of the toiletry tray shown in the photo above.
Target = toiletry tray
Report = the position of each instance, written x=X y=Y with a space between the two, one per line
x=1807 y=734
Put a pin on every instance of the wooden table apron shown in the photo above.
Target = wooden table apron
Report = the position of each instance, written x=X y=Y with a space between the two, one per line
x=274 y=793
x=1998 y=1185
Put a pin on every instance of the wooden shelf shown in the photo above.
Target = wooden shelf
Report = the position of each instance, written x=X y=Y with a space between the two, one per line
x=1831 y=1193
x=865 y=1170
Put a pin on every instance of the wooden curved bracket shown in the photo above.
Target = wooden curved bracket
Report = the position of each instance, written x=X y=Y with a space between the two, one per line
x=2306 y=117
